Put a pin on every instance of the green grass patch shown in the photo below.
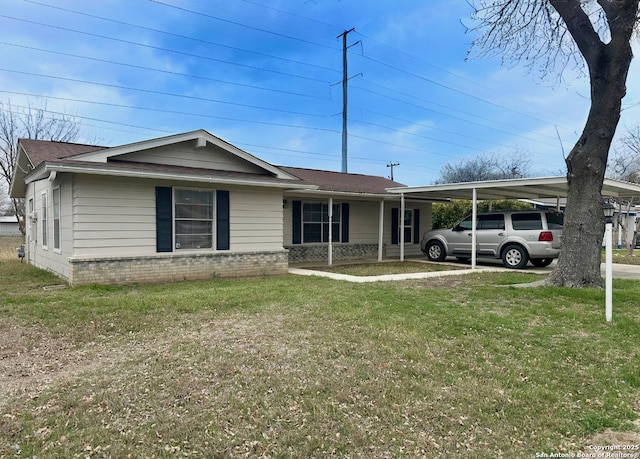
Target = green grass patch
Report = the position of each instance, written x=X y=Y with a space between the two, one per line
x=390 y=267
x=304 y=367
x=623 y=257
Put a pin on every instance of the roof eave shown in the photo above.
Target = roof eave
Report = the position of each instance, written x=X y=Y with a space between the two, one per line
x=17 y=187
x=45 y=168
x=199 y=135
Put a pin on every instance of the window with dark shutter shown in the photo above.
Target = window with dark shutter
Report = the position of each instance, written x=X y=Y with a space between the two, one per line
x=164 y=219
x=345 y=222
x=395 y=226
x=222 y=223
x=296 y=211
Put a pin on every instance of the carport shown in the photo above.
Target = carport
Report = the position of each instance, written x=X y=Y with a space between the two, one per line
x=525 y=188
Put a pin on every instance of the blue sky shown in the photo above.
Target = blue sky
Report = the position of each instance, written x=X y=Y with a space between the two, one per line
x=266 y=77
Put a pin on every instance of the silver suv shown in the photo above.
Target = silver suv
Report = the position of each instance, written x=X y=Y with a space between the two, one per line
x=515 y=236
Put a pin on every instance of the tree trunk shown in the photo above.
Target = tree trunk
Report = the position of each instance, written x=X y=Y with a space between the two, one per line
x=579 y=262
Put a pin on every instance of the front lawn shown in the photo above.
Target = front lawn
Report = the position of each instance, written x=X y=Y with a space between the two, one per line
x=387 y=267
x=305 y=367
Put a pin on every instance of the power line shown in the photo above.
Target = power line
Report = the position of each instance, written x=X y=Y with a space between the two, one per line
x=158 y=48
x=161 y=93
x=444 y=86
x=176 y=35
x=278 y=91
x=168 y=72
x=172 y=112
x=239 y=24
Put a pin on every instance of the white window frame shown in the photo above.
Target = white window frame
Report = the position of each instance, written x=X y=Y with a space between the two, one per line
x=176 y=245
x=32 y=227
x=57 y=237
x=44 y=220
x=408 y=227
x=336 y=234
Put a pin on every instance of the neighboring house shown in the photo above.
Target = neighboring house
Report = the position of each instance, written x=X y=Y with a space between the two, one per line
x=194 y=206
x=9 y=226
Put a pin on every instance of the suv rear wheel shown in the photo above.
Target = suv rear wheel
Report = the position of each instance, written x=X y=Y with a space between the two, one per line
x=435 y=251
x=514 y=257
x=541 y=262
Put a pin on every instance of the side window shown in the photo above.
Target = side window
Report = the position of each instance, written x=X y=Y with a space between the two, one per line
x=43 y=219
x=408 y=226
x=315 y=222
x=465 y=224
x=526 y=221
x=32 y=224
x=56 y=218
x=193 y=219
x=491 y=222
x=554 y=220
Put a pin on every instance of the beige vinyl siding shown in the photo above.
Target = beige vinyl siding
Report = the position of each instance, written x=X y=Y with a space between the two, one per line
x=363 y=222
x=256 y=219
x=66 y=214
x=118 y=217
x=187 y=155
x=51 y=259
x=113 y=216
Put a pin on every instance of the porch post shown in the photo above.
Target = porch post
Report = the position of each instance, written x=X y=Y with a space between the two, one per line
x=474 y=217
x=330 y=210
x=380 y=230
x=401 y=218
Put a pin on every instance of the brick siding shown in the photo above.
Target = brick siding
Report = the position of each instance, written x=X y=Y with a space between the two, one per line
x=175 y=267
x=320 y=252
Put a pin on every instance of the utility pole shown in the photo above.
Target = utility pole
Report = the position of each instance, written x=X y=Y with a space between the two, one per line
x=391 y=165
x=345 y=78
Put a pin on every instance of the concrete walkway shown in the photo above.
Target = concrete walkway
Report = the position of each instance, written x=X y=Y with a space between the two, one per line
x=620 y=271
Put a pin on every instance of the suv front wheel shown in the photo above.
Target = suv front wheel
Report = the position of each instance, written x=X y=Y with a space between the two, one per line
x=515 y=257
x=435 y=251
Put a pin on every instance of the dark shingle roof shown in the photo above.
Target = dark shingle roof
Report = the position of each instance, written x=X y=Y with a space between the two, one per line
x=341 y=181
x=39 y=151
x=46 y=150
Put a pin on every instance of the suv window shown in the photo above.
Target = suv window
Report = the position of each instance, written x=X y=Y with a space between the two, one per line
x=554 y=220
x=526 y=221
x=465 y=224
x=486 y=222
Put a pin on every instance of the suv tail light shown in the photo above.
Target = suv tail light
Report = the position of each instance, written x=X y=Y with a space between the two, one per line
x=545 y=236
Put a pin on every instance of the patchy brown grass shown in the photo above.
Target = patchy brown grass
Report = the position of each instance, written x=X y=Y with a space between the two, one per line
x=306 y=367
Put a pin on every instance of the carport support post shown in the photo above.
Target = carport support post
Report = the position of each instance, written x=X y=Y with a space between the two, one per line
x=608 y=283
x=401 y=218
x=330 y=210
x=474 y=218
x=380 y=231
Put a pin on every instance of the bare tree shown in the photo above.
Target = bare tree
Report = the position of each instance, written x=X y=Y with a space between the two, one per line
x=485 y=167
x=32 y=123
x=6 y=207
x=555 y=35
x=624 y=164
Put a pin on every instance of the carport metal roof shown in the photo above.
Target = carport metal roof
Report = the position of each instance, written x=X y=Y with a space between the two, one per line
x=525 y=188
